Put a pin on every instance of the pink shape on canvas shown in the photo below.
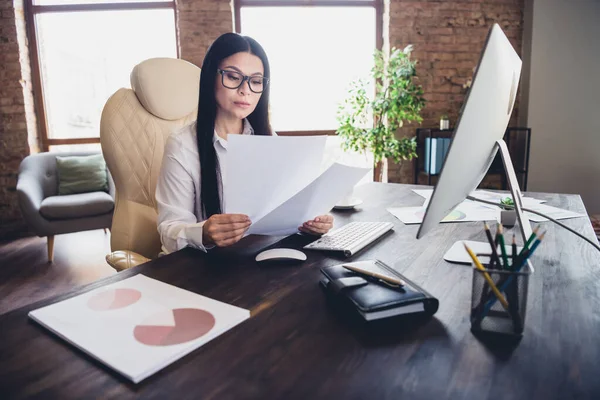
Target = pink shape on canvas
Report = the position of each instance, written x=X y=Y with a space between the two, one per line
x=190 y=324
x=114 y=299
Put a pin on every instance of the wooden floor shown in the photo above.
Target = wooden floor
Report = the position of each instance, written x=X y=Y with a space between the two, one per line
x=27 y=277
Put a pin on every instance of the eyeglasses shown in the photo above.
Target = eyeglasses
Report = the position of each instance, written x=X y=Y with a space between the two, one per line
x=233 y=80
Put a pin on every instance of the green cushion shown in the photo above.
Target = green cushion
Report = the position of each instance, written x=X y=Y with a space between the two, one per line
x=81 y=174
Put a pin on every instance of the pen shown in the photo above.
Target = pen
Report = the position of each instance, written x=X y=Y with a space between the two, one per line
x=384 y=278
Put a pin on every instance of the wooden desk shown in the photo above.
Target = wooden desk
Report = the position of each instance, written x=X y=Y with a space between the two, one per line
x=295 y=347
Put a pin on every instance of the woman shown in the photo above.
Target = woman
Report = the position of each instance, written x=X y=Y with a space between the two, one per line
x=234 y=99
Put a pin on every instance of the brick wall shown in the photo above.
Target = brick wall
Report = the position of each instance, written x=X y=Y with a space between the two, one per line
x=448 y=37
x=17 y=118
x=200 y=22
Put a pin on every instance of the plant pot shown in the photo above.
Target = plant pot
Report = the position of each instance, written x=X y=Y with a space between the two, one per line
x=508 y=217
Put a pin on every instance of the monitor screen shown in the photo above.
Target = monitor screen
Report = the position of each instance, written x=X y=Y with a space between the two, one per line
x=483 y=120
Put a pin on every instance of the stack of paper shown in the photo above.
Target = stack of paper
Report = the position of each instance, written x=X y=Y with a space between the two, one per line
x=276 y=181
x=139 y=325
x=528 y=202
x=470 y=211
x=552 y=212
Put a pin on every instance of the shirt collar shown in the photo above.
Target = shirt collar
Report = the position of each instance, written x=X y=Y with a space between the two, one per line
x=246 y=130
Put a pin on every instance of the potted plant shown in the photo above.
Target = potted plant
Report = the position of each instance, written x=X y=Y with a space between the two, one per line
x=370 y=124
x=508 y=215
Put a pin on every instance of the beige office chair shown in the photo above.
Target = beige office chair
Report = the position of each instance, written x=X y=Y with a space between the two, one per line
x=134 y=127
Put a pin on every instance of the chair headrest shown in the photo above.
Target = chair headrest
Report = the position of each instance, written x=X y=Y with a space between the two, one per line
x=167 y=87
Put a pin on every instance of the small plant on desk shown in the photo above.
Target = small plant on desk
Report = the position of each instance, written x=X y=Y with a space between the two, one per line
x=508 y=215
x=367 y=124
x=507 y=201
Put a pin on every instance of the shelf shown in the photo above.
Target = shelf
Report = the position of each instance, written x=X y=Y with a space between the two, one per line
x=517 y=139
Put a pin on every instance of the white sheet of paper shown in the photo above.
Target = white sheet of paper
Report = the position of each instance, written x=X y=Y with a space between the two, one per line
x=483 y=195
x=316 y=199
x=553 y=212
x=264 y=171
x=465 y=212
x=528 y=202
x=497 y=197
x=139 y=325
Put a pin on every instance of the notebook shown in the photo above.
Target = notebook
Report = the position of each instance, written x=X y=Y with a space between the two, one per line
x=375 y=300
x=139 y=325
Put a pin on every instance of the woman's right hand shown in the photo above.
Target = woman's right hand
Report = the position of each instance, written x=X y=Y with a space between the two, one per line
x=225 y=229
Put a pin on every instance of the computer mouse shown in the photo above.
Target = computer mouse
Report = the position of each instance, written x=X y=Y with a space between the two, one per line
x=280 y=256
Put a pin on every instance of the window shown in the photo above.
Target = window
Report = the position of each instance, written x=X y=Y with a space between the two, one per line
x=315 y=48
x=83 y=51
x=65 y=148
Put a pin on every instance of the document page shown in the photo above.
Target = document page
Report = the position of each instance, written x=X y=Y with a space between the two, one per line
x=264 y=171
x=276 y=181
x=315 y=199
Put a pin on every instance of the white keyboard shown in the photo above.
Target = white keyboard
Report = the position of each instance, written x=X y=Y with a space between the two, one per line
x=351 y=238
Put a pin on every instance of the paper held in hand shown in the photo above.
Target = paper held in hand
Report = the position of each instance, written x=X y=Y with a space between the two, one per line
x=277 y=182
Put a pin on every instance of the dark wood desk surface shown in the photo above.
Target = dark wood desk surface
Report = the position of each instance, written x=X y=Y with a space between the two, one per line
x=295 y=346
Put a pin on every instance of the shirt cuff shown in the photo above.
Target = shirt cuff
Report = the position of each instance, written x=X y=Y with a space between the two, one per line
x=191 y=236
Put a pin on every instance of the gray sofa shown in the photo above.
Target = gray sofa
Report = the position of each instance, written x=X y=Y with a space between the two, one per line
x=48 y=214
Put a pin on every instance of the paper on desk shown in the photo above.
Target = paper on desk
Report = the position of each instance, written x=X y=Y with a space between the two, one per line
x=531 y=203
x=464 y=212
x=483 y=195
x=316 y=199
x=264 y=171
x=405 y=214
x=497 y=197
x=553 y=212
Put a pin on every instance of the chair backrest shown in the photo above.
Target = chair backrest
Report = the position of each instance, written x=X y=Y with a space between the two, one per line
x=134 y=128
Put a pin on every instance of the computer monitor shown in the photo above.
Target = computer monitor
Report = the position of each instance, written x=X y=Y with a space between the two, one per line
x=479 y=131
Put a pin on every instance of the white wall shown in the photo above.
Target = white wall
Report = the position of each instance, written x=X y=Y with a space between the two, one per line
x=563 y=107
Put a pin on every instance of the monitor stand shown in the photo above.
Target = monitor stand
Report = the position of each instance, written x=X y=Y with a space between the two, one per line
x=457 y=253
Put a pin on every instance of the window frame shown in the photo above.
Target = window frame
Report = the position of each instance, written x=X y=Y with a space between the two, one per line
x=31 y=10
x=376 y=4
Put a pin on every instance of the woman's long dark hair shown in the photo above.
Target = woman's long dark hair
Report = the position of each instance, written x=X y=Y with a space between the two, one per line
x=225 y=46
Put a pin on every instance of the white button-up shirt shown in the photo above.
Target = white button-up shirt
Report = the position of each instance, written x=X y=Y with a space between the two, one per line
x=180 y=218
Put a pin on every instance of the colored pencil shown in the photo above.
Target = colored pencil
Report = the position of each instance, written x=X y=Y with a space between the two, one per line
x=494 y=257
x=487 y=278
x=505 y=284
x=502 y=246
x=514 y=251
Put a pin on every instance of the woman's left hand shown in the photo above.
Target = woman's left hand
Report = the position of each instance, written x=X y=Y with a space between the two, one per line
x=318 y=226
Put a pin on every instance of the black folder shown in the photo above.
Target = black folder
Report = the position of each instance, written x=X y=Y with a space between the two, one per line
x=372 y=298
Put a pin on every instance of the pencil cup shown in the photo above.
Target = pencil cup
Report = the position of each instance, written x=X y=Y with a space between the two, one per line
x=488 y=312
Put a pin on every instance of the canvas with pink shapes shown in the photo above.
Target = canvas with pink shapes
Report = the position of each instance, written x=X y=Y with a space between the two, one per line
x=139 y=325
